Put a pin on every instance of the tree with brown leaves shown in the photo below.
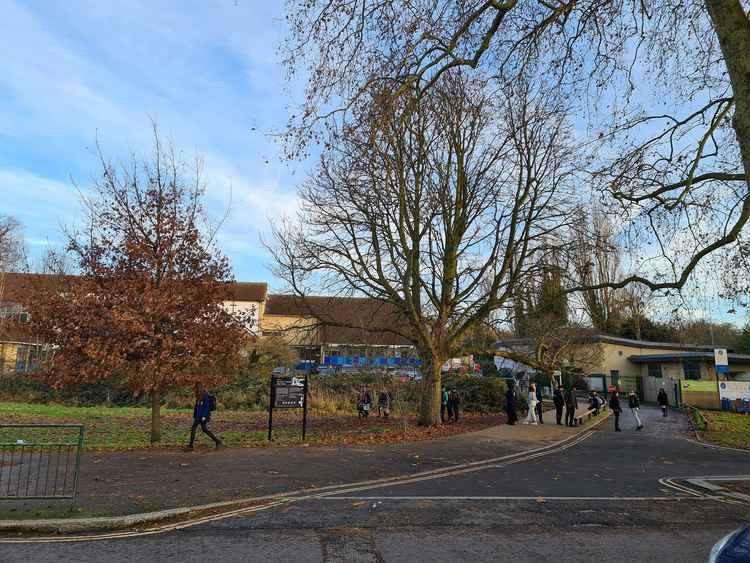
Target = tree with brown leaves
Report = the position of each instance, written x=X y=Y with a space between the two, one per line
x=147 y=307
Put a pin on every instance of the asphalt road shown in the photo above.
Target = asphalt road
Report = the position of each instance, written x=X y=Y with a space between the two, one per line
x=598 y=500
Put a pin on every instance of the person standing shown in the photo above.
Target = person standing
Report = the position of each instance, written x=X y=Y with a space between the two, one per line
x=202 y=416
x=663 y=401
x=443 y=404
x=455 y=403
x=570 y=406
x=559 y=401
x=365 y=403
x=614 y=404
x=510 y=404
x=531 y=415
x=635 y=406
x=384 y=403
x=539 y=403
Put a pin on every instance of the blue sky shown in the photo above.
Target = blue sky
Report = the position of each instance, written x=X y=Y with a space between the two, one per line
x=208 y=72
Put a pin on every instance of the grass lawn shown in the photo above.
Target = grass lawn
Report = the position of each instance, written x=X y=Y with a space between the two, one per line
x=727 y=429
x=126 y=428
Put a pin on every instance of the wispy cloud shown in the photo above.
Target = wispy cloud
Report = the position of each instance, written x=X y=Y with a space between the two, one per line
x=72 y=72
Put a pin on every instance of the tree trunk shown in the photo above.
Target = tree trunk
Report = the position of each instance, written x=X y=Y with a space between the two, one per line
x=732 y=28
x=429 y=410
x=155 y=416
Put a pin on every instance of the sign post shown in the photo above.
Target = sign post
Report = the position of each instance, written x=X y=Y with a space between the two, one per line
x=721 y=365
x=288 y=393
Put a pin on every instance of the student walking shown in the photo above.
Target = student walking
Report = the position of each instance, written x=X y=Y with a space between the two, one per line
x=443 y=404
x=510 y=404
x=455 y=402
x=570 y=406
x=531 y=415
x=539 y=404
x=663 y=401
x=559 y=401
x=635 y=406
x=614 y=404
x=202 y=416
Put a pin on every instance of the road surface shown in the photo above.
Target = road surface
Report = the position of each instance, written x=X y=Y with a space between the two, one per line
x=604 y=498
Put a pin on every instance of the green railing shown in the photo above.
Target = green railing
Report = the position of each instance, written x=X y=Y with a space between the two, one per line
x=40 y=461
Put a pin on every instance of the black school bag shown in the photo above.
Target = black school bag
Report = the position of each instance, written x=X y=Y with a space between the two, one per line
x=211 y=403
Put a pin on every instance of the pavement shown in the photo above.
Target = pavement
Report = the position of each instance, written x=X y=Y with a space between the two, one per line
x=127 y=483
x=600 y=495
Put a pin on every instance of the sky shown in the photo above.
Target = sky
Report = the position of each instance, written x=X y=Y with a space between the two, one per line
x=208 y=72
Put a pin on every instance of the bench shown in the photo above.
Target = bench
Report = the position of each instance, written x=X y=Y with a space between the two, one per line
x=588 y=415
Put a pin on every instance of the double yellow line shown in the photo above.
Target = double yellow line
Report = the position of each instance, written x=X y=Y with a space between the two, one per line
x=320 y=493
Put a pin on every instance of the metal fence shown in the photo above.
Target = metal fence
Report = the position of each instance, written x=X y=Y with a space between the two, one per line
x=40 y=461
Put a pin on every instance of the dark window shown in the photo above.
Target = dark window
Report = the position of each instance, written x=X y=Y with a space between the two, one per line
x=654 y=370
x=692 y=370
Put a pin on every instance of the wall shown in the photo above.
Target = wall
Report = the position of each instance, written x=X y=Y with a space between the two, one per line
x=294 y=330
x=255 y=308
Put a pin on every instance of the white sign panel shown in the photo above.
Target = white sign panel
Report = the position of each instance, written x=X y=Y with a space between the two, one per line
x=720 y=357
x=733 y=390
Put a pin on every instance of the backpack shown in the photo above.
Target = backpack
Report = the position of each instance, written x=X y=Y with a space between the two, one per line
x=211 y=403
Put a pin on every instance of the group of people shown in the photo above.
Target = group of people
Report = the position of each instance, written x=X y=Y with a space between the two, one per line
x=364 y=405
x=450 y=403
x=634 y=405
x=563 y=400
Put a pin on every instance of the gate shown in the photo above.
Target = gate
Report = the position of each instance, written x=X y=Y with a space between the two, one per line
x=627 y=383
x=40 y=461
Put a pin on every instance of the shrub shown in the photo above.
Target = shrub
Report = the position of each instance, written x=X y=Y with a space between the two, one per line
x=478 y=394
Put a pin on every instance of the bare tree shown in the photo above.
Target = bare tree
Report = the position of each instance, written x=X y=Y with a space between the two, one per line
x=439 y=209
x=11 y=244
x=596 y=267
x=677 y=179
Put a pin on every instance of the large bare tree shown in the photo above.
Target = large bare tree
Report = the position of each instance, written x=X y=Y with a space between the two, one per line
x=439 y=208
x=663 y=87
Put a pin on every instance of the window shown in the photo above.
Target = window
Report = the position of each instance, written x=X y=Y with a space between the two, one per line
x=692 y=370
x=654 y=370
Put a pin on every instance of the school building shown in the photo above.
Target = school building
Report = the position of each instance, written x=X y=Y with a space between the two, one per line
x=336 y=331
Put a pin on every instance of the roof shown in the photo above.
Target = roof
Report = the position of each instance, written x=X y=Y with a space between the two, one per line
x=649 y=344
x=626 y=342
x=19 y=287
x=249 y=291
x=682 y=356
x=345 y=320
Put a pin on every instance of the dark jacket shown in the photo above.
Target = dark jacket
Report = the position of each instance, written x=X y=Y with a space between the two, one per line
x=510 y=399
x=662 y=398
x=558 y=399
x=633 y=401
x=614 y=403
x=539 y=394
x=570 y=398
x=202 y=408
